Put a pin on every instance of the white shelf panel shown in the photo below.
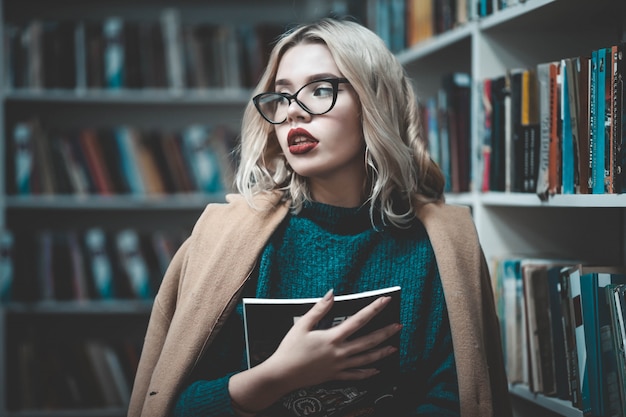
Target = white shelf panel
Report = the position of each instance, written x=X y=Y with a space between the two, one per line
x=556 y=405
x=80 y=307
x=217 y=96
x=120 y=202
x=559 y=200
x=436 y=43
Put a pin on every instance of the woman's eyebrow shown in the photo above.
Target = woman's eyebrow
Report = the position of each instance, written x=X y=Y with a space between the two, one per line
x=313 y=77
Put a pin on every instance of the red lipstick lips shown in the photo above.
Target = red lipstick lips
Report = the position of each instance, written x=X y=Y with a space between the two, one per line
x=300 y=141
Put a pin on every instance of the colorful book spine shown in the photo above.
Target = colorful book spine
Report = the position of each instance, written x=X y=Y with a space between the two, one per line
x=567 y=139
x=599 y=114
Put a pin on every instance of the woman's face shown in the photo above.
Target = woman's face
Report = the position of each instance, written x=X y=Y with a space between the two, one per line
x=327 y=149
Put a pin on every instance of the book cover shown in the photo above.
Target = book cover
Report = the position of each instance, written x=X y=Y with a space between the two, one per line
x=554 y=167
x=611 y=394
x=541 y=353
x=484 y=126
x=6 y=265
x=133 y=262
x=616 y=299
x=99 y=263
x=558 y=335
x=568 y=128
x=599 y=108
x=620 y=120
x=582 y=70
x=577 y=324
x=583 y=295
x=515 y=336
x=499 y=92
x=199 y=154
x=543 y=79
x=114 y=65
x=595 y=317
x=266 y=321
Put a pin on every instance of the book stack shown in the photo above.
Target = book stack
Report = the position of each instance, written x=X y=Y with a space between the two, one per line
x=120 y=160
x=119 y=53
x=559 y=130
x=92 y=264
x=563 y=330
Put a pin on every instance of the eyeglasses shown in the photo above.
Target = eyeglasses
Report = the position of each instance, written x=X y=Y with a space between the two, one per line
x=317 y=97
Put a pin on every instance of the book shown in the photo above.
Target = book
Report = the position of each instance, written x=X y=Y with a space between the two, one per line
x=543 y=78
x=133 y=263
x=599 y=108
x=616 y=299
x=584 y=283
x=114 y=65
x=23 y=157
x=99 y=263
x=558 y=335
x=266 y=321
x=554 y=163
x=6 y=264
x=619 y=122
x=514 y=331
x=596 y=318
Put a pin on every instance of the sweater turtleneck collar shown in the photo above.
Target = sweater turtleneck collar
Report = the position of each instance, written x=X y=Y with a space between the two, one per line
x=341 y=220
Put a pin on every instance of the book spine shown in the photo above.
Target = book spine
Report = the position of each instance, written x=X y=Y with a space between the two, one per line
x=600 y=113
x=567 y=140
x=114 y=65
x=6 y=265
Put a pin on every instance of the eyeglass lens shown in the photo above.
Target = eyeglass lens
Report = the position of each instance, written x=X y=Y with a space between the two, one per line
x=317 y=97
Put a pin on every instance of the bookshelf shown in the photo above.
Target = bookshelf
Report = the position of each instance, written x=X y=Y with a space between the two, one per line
x=590 y=227
x=69 y=324
x=565 y=226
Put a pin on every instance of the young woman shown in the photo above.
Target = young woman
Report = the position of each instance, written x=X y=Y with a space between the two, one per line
x=337 y=194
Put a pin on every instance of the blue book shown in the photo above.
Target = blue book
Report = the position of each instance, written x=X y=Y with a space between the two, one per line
x=567 y=139
x=134 y=264
x=202 y=159
x=113 y=32
x=591 y=280
x=6 y=265
x=125 y=137
x=99 y=263
x=599 y=128
x=23 y=157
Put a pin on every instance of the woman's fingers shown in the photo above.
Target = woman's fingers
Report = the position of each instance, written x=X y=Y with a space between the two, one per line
x=317 y=312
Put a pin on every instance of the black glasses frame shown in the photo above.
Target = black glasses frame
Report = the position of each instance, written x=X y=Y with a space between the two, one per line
x=294 y=97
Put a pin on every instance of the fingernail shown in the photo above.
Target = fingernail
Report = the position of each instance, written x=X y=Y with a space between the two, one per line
x=328 y=295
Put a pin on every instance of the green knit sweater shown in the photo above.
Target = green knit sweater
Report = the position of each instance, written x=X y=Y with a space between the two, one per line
x=326 y=247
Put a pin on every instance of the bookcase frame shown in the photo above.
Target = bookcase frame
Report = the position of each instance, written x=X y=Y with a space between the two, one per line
x=590 y=227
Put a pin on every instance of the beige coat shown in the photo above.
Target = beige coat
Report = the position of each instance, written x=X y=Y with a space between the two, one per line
x=202 y=284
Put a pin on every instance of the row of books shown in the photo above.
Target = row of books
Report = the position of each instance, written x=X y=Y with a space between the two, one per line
x=72 y=375
x=447 y=130
x=404 y=23
x=557 y=128
x=171 y=53
x=118 y=160
x=94 y=264
x=563 y=330
x=118 y=53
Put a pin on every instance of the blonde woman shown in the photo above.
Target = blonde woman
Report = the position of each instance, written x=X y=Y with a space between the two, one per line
x=337 y=194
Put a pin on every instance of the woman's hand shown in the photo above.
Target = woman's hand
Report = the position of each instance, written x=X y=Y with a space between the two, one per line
x=308 y=357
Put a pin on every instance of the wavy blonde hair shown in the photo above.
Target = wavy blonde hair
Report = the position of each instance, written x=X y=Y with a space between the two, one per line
x=399 y=169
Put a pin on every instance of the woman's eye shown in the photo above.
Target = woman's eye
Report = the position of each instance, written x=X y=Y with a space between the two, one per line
x=323 y=91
